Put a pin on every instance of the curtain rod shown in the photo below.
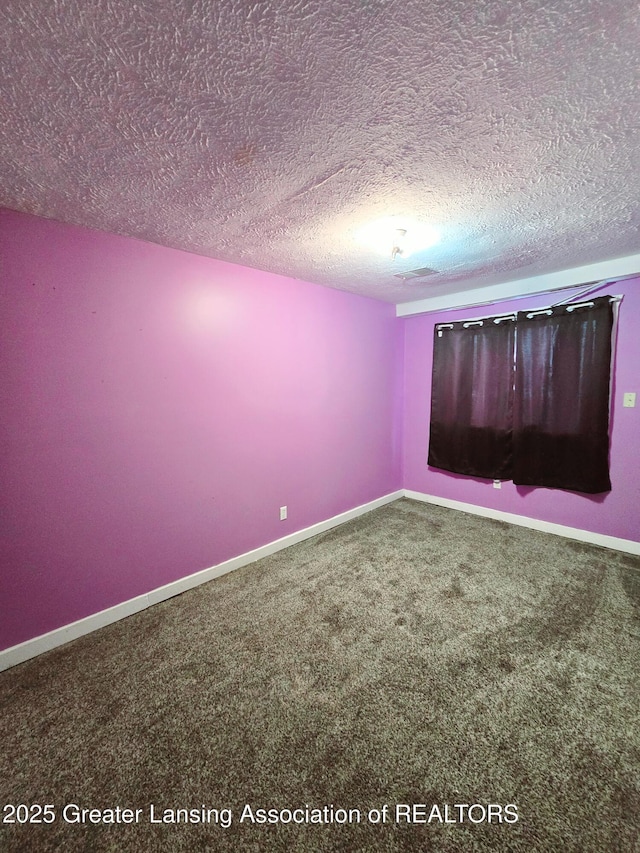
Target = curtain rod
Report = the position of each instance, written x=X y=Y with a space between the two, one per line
x=588 y=289
x=511 y=315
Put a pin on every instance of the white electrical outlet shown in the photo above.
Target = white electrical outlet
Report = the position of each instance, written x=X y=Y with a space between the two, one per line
x=497 y=484
x=283 y=513
x=629 y=400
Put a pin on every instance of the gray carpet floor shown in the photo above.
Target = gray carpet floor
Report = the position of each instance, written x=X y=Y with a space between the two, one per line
x=415 y=657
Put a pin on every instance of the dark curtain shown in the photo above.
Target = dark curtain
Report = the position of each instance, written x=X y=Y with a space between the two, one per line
x=472 y=399
x=561 y=405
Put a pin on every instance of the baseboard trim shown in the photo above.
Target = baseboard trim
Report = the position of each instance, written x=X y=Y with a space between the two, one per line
x=626 y=545
x=45 y=642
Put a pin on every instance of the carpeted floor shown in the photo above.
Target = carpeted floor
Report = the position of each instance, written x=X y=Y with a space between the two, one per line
x=416 y=657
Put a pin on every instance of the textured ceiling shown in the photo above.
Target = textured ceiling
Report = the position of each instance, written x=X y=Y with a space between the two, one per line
x=268 y=133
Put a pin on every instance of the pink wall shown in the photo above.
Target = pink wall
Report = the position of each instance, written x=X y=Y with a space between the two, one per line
x=157 y=408
x=616 y=514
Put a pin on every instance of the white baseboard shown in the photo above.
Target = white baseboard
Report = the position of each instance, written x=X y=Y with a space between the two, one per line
x=36 y=646
x=629 y=546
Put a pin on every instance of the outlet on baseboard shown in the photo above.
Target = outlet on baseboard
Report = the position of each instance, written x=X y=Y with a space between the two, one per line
x=283 y=513
x=497 y=484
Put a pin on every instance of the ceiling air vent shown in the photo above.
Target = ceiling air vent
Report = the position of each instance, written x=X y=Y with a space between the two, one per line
x=419 y=273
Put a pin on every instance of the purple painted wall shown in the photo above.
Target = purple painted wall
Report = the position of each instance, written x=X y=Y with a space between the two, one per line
x=615 y=514
x=157 y=408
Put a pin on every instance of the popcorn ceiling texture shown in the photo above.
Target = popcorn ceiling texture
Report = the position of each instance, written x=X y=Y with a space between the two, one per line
x=265 y=133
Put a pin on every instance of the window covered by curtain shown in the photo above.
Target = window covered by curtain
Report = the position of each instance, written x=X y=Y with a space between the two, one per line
x=561 y=406
x=472 y=398
x=525 y=398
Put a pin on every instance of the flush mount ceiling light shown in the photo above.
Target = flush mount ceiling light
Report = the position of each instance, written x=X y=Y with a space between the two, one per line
x=395 y=236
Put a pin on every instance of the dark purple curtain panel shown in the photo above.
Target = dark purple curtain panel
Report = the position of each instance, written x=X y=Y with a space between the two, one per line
x=561 y=405
x=472 y=399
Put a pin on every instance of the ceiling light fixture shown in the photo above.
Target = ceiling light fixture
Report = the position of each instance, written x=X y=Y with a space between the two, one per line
x=393 y=236
x=398 y=243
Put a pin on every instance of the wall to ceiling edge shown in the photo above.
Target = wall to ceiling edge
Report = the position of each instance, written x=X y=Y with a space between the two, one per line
x=158 y=408
x=615 y=514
